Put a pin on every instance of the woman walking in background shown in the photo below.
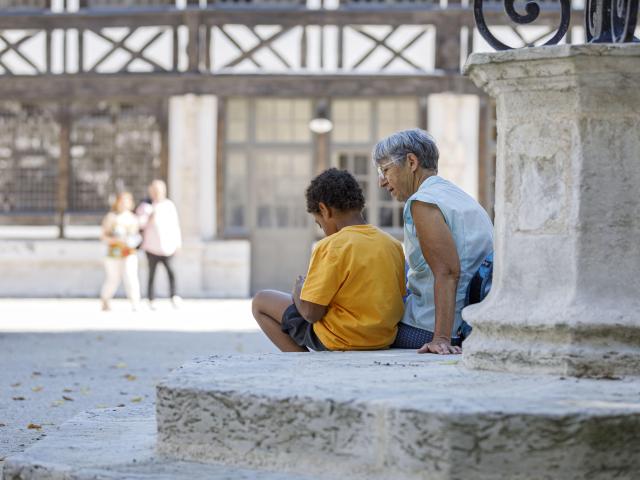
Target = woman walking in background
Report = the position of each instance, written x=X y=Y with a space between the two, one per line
x=120 y=231
x=162 y=238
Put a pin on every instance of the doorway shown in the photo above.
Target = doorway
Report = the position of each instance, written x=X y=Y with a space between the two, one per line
x=268 y=166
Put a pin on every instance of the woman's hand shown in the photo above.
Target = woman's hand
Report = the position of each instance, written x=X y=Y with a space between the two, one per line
x=440 y=346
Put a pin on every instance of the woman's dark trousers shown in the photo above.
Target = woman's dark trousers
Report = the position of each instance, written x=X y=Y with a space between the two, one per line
x=153 y=261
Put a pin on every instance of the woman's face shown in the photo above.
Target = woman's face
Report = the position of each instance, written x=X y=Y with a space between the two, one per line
x=125 y=203
x=396 y=179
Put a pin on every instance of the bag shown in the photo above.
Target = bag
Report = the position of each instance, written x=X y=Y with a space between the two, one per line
x=480 y=283
x=478 y=288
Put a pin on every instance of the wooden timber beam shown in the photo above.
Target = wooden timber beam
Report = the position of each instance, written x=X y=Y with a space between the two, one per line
x=124 y=86
x=264 y=16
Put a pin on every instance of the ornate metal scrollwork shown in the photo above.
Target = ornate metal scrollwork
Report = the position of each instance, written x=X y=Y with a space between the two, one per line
x=532 y=12
x=605 y=20
x=610 y=20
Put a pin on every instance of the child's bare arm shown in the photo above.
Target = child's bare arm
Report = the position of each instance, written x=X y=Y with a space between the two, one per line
x=311 y=312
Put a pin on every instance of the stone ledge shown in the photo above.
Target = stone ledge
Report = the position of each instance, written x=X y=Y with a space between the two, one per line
x=115 y=444
x=396 y=414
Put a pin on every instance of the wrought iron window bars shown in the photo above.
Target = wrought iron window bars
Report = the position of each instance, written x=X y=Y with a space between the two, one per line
x=606 y=21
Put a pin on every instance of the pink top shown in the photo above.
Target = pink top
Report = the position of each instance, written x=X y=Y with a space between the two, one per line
x=161 y=228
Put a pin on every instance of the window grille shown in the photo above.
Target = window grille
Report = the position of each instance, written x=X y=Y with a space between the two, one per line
x=101 y=4
x=24 y=4
x=255 y=3
x=387 y=3
x=114 y=147
x=29 y=151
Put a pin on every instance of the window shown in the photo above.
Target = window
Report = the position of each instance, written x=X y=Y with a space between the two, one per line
x=352 y=121
x=267 y=164
x=237 y=120
x=358 y=125
x=235 y=191
x=395 y=115
x=282 y=120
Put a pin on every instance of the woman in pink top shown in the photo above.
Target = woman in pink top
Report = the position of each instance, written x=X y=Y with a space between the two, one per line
x=161 y=236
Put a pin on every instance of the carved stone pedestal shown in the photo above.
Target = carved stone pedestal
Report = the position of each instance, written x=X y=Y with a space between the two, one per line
x=566 y=289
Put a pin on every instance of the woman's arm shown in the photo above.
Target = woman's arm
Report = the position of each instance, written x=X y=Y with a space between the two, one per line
x=439 y=250
x=105 y=232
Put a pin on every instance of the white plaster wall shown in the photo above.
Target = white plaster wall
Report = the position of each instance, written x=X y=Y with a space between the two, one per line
x=70 y=268
x=51 y=268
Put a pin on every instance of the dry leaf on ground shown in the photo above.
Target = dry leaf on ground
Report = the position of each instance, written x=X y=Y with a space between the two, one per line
x=68 y=399
x=130 y=377
x=57 y=403
x=34 y=426
x=136 y=399
x=67 y=390
x=120 y=365
x=19 y=399
x=36 y=389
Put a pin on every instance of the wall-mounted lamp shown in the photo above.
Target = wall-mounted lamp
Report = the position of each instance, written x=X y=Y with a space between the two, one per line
x=321 y=123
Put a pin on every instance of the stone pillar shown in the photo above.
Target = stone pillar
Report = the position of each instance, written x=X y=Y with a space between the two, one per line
x=192 y=139
x=566 y=289
x=192 y=132
x=453 y=122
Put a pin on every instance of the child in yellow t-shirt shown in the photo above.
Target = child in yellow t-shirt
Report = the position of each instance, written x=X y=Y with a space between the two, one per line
x=351 y=297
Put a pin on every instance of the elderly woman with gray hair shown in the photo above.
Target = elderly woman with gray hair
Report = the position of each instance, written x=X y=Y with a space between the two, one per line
x=447 y=235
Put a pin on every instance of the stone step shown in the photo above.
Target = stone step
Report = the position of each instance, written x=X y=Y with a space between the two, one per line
x=116 y=444
x=396 y=414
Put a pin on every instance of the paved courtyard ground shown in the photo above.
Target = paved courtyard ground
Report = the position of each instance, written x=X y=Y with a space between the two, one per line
x=59 y=357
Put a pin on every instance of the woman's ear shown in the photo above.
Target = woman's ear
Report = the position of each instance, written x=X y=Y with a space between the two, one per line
x=414 y=163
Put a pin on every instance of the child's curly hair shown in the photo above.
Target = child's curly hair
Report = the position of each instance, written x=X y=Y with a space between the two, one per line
x=335 y=188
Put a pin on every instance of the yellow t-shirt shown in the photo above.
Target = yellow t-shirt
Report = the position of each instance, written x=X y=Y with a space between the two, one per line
x=359 y=273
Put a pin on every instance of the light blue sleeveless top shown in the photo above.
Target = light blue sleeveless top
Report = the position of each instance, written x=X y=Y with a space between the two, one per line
x=473 y=235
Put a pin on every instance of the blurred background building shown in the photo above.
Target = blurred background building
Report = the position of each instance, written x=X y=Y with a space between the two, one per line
x=217 y=97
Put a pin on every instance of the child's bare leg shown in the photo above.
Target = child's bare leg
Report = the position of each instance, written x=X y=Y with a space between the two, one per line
x=268 y=306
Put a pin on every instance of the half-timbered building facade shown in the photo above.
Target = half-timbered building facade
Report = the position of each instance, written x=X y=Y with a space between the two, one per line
x=216 y=97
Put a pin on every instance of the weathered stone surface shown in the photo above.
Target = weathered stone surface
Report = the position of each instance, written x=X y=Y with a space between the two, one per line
x=116 y=444
x=396 y=414
x=565 y=295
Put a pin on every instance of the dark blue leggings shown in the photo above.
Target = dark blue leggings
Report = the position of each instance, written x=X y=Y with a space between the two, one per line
x=412 y=337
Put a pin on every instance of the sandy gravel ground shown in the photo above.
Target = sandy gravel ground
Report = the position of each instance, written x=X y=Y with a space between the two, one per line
x=60 y=357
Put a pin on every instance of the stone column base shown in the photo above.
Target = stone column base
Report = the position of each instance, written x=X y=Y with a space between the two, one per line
x=566 y=291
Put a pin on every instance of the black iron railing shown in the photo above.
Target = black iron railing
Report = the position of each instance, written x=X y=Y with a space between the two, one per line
x=606 y=21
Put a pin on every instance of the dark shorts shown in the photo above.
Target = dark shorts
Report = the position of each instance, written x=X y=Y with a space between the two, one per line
x=412 y=337
x=301 y=331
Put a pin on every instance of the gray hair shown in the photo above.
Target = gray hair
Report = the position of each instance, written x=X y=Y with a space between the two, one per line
x=396 y=147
